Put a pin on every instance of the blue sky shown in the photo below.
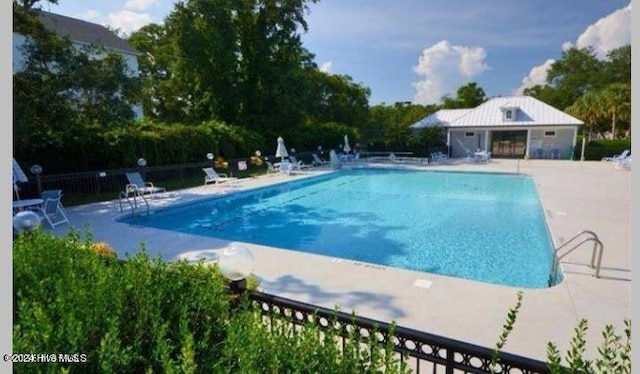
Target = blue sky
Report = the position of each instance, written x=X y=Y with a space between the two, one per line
x=417 y=50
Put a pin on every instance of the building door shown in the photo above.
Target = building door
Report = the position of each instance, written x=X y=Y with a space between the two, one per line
x=508 y=144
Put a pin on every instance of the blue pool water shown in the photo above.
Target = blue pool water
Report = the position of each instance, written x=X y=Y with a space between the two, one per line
x=485 y=227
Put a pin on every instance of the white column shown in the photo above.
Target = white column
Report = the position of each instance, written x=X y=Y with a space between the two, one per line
x=527 y=145
x=486 y=140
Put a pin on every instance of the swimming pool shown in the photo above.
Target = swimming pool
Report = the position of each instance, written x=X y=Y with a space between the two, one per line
x=481 y=226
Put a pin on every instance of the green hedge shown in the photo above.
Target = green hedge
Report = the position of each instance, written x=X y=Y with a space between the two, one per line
x=144 y=315
x=595 y=150
x=83 y=148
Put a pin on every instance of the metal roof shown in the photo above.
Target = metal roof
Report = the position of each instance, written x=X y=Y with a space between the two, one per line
x=443 y=117
x=84 y=32
x=530 y=112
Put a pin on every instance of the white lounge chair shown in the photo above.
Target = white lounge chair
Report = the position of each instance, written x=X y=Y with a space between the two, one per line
x=211 y=176
x=438 y=157
x=52 y=210
x=317 y=161
x=622 y=162
x=270 y=168
x=299 y=165
x=139 y=187
x=618 y=157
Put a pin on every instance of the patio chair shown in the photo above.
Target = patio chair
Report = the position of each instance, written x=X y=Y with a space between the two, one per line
x=139 y=187
x=438 y=157
x=299 y=165
x=270 y=168
x=538 y=153
x=52 y=209
x=317 y=161
x=211 y=176
x=618 y=157
x=621 y=162
x=556 y=154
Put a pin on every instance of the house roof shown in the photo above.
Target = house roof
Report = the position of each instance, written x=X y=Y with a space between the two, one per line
x=442 y=117
x=84 y=32
x=530 y=112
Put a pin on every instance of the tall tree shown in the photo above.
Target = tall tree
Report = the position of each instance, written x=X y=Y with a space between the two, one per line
x=272 y=80
x=617 y=68
x=62 y=93
x=204 y=40
x=470 y=95
x=163 y=96
x=31 y=4
x=576 y=72
x=586 y=109
x=615 y=100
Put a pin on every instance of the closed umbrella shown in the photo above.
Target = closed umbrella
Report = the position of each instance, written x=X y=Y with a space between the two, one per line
x=18 y=177
x=281 y=150
x=346 y=147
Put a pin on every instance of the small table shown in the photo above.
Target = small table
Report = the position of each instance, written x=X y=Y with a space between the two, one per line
x=26 y=203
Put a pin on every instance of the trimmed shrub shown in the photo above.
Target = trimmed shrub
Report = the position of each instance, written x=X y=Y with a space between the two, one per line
x=595 y=150
x=143 y=315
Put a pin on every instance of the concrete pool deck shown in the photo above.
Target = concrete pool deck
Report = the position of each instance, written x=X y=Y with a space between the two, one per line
x=576 y=196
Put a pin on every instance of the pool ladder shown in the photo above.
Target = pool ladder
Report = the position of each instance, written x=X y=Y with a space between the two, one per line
x=596 y=254
x=133 y=204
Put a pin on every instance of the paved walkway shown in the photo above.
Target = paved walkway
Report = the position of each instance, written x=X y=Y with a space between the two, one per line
x=576 y=196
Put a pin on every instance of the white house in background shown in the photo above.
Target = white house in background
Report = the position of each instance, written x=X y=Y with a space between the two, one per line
x=82 y=34
x=508 y=127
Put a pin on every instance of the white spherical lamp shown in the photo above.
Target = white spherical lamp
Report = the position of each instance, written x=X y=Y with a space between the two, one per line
x=26 y=221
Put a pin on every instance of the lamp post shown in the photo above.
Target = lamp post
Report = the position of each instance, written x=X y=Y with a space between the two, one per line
x=142 y=163
x=236 y=264
x=37 y=170
x=25 y=221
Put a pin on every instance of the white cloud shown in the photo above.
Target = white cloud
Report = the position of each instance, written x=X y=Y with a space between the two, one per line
x=567 y=46
x=90 y=15
x=607 y=33
x=326 y=67
x=127 y=21
x=610 y=32
x=445 y=67
x=537 y=75
x=139 y=5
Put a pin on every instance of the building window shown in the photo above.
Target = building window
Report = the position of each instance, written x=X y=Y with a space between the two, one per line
x=469 y=134
x=550 y=133
x=508 y=114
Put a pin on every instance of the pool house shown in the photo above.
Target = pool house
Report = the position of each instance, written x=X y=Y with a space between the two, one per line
x=508 y=127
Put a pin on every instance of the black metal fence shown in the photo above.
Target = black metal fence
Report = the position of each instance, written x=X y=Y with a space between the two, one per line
x=421 y=351
x=107 y=184
x=97 y=185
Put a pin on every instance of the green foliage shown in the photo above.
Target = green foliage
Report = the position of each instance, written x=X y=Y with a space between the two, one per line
x=389 y=127
x=468 y=96
x=506 y=330
x=595 y=150
x=614 y=353
x=302 y=349
x=593 y=90
x=145 y=315
x=428 y=140
x=142 y=314
x=241 y=63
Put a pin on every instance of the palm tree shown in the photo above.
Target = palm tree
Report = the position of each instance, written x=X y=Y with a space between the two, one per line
x=585 y=108
x=615 y=101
